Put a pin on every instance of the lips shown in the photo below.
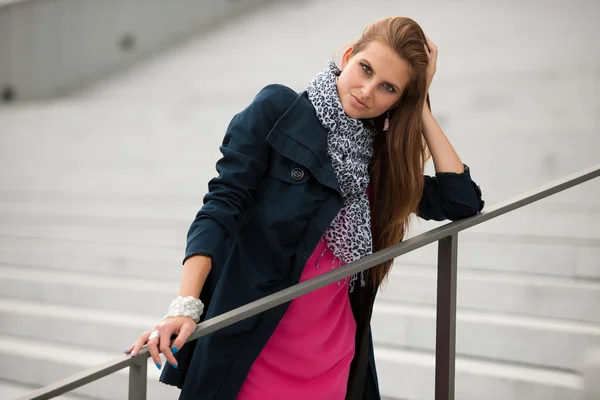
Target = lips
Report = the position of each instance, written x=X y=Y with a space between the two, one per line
x=360 y=103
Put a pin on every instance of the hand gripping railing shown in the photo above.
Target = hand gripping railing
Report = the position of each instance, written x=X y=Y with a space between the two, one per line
x=447 y=238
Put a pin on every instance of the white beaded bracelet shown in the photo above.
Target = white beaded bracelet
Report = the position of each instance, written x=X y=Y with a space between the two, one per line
x=185 y=307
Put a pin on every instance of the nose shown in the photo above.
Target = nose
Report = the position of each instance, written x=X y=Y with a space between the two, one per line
x=367 y=90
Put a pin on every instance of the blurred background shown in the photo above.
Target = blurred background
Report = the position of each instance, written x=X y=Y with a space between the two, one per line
x=111 y=114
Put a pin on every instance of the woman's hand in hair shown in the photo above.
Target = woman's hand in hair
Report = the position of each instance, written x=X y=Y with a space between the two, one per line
x=432 y=53
x=445 y=158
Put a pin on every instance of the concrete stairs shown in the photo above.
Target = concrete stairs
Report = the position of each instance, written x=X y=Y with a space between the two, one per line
x=55 y=323
x=70 y=310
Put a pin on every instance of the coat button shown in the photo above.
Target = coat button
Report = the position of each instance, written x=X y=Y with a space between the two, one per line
x=297 y=174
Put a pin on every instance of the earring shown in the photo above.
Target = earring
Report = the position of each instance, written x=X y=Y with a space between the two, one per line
x=386 y=124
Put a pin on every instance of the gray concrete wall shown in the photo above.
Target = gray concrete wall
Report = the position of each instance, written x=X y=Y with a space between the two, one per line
x=48 y=47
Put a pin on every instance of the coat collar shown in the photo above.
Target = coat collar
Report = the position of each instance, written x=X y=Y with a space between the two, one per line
x=299 y=136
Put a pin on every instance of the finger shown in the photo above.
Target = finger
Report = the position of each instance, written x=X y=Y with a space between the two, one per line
x=433 y=56
x=142 y=339
x=129 y=349
x=153 y=350
x=433 y=53
x=184 y=333
x=165 y=349
x=431 y=46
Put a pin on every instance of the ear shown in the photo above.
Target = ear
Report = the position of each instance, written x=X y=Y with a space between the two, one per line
x=347 y=56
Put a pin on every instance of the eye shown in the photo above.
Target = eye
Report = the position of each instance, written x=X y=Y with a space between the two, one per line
x=389 y=87
x=366 y=68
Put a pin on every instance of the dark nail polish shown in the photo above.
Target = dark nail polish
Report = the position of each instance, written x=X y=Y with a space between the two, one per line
x=174 y=349
x=174 y=366
x=158 y=365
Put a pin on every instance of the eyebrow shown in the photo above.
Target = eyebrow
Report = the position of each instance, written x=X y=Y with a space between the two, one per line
x=370 y=66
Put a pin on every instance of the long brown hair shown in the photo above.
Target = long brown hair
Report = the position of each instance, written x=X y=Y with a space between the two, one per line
x=400 y=153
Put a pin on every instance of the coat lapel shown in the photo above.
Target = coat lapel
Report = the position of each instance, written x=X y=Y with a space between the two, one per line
x=299 y=136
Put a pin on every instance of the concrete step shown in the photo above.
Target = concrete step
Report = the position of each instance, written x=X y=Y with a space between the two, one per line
x=519 y=294
x=493 y=292
x=70 y=325
x=516 y=253
x=46 y=206
x=559 y=260
x=87 y=290
x=81 y=246
x=504 y=253
x=124 y=235
x=35 y=362
x=504 y=338
x=12 y=390
x=537 y=221
x=410 y=375
x=117 y=220
x=61 y=224
x=485 y=335
x=107 y=263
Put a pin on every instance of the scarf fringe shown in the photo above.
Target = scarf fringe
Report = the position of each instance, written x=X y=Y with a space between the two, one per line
x=348 y=281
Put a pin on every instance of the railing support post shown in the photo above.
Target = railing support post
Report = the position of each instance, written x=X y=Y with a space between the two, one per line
x=138 y=379
x=445 y=347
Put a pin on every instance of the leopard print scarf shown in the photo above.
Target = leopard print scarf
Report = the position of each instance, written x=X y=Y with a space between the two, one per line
x=350 y=146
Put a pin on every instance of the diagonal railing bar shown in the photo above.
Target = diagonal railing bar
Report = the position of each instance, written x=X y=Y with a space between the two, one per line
x=443 y=233
x=86 y=376
x=391 y=252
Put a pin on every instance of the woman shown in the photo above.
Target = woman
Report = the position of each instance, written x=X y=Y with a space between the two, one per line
x=310 y=182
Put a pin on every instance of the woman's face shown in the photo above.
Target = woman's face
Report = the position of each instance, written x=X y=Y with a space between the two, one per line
x=372 y=80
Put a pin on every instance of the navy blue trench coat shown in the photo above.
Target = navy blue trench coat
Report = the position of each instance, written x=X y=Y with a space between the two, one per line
x=265 y=212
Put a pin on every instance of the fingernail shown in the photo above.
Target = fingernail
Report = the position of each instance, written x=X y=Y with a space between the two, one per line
x=158 y=365
x=174 y=349
x=174 y=366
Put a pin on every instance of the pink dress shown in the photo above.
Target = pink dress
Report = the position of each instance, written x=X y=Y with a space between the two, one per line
x=309 y=354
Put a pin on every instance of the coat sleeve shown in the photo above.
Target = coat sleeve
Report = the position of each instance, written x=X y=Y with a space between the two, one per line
x=451 y=196
x=244 y=161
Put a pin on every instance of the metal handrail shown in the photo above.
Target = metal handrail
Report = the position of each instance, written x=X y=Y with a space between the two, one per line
x=446 y=235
